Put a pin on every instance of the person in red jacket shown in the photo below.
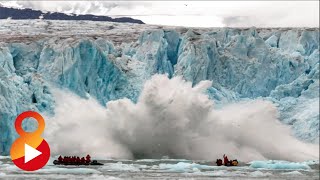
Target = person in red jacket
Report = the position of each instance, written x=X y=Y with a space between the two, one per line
x=60 y=159
x=225 y=160
x=88 y=159
x=66 y=159
x=83 y=161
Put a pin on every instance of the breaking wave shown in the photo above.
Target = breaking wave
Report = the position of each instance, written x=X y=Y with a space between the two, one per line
x=172 y=118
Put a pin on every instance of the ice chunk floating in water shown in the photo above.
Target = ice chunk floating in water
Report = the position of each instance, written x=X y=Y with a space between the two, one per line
x=184 y=167
x=278 y=165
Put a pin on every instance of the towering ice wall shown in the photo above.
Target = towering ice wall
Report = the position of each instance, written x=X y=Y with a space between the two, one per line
x=29 y=71
x=281 y=65
x=21 y=89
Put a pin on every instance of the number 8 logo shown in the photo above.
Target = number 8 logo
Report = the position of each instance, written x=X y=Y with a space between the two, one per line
x=30 y=151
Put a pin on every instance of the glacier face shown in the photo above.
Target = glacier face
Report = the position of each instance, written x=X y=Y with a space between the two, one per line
x=93 y=59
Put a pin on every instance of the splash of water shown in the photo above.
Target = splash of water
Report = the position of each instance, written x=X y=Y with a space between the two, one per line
x=172 y=118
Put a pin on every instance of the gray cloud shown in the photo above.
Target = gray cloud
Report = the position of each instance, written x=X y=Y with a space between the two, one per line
x=242 y=21
x=235 y=20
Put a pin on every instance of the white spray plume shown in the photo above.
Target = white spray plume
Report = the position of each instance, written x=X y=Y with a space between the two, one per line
x=172 y=118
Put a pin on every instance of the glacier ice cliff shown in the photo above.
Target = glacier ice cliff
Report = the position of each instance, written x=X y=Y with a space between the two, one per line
x=93 y=59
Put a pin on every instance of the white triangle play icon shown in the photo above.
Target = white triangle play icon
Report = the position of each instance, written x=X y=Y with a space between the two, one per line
x=30 y=153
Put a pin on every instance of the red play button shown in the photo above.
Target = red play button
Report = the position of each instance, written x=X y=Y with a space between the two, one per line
x=34 y=159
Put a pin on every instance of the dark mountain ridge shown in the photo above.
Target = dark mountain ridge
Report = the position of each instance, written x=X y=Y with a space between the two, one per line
x=14 y=13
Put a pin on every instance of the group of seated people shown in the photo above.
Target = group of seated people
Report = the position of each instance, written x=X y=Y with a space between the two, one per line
x=226 y=161
x=74 y=160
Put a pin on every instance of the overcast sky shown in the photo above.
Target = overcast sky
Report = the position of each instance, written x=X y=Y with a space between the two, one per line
x=193 y=13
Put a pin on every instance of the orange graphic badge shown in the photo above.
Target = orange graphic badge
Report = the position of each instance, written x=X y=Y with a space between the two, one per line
x=30 y=151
